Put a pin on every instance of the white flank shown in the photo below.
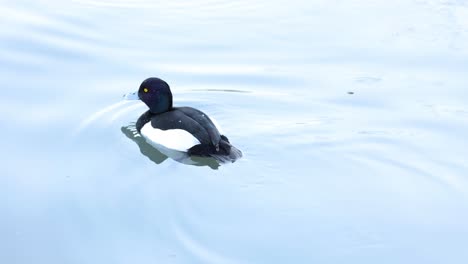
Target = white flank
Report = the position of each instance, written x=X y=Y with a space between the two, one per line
x=177 y=139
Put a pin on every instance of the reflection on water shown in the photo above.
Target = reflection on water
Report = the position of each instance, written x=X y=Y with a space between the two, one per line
x=145 y=148
x=157 y=156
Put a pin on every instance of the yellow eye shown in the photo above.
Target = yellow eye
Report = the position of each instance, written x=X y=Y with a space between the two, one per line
x=145 y=90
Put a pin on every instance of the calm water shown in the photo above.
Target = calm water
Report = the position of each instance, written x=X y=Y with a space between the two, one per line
x=352 y=116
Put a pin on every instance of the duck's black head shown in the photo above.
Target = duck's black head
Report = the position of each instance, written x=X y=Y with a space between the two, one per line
x=156 y=94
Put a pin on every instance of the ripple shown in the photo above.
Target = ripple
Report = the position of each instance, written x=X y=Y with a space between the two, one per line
x=98 y=114
x=399 y=156
x=221 y=90
x=205 y=6
x=213 y=69
x=205 y=254
x=368 y=80
x=456 y=111
x=135 y=105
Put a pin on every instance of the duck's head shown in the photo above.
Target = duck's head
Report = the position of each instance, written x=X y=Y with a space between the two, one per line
x=156 y=94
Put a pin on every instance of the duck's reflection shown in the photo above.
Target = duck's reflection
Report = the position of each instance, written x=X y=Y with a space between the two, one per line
x=160 y=154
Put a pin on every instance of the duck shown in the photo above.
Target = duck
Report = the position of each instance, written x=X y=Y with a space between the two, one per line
x=184 y=129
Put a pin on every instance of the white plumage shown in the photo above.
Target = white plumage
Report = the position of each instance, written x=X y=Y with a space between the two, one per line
x=176 y=139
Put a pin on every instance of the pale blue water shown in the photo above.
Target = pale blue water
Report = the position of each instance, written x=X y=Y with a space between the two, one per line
x=378 y=176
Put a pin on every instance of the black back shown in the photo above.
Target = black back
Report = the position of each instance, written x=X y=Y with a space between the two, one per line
x=189 y=119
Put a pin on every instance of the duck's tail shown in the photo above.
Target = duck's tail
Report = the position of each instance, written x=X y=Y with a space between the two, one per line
x=224 y=153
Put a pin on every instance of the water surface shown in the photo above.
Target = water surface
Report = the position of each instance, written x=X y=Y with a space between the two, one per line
x=351 y=115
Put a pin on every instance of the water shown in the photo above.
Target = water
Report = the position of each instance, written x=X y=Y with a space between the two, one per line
x=351 y=115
